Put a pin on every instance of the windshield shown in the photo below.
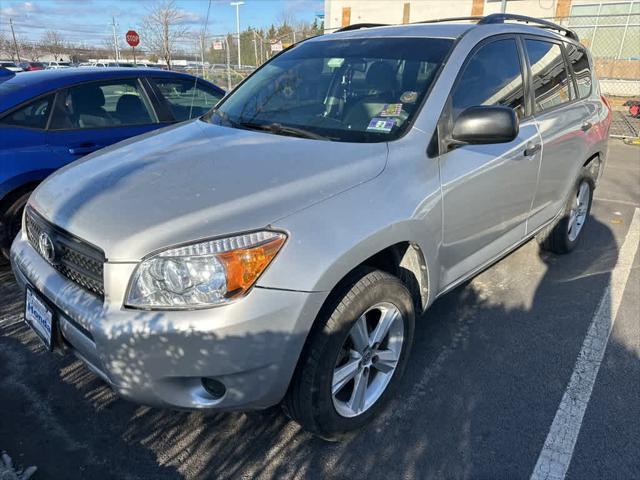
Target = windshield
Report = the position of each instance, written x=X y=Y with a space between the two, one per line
x=354 y=90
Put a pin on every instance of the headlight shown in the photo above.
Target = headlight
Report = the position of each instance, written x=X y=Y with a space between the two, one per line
x=203 y=274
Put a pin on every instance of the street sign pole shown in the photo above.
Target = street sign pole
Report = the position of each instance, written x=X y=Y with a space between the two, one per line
x=133 y=39
x=228 y=64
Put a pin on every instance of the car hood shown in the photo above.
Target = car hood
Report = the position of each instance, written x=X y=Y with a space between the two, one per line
x=194 y=181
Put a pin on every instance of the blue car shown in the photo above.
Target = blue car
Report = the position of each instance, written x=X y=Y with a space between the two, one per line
x=50 y=118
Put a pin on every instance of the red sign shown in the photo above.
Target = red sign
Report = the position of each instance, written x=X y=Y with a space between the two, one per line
x=133 y=39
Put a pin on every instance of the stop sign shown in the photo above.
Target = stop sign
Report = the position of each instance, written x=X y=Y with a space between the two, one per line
x=133 y=39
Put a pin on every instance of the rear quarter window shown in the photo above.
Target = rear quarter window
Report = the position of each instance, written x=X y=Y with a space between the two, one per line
x=579 y=61
x=32 y=115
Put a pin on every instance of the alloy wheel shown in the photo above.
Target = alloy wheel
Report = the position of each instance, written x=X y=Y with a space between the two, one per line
x=578 y=213
x=367 y=360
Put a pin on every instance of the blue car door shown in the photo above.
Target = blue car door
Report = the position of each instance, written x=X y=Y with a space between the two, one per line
x=93 y=115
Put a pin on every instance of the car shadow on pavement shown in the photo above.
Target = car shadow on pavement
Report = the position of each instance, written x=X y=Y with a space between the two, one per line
x=487 y=372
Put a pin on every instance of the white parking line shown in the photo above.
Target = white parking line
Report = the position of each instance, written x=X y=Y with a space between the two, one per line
x=556 y=454
x=613 y=200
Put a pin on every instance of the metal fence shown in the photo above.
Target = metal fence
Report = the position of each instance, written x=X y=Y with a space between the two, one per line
x=612 y=34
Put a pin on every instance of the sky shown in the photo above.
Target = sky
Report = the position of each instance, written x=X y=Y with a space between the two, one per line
x=90 y=20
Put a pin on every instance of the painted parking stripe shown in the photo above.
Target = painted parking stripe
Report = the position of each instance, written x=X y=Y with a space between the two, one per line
x=556 y=454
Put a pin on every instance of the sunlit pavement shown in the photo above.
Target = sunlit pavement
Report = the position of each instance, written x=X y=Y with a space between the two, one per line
x=491 y=363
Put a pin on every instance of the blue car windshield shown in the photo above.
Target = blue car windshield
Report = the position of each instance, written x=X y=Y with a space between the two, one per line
x=351 y=90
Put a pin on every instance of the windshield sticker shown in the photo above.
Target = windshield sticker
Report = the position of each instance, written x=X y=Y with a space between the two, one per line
x=391 y=110
x=335 y=62
x=409 y=97
x=383 y=125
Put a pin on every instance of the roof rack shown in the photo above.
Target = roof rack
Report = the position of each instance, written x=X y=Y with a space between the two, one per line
x=449 y=19
x=502 y=17
x=358 y=26
x=488 y=20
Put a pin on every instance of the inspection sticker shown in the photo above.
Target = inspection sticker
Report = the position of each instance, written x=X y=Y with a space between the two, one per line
x=391 y=110
x=383 y=125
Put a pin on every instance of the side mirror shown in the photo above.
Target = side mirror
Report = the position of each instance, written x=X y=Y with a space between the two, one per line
x=481 y=125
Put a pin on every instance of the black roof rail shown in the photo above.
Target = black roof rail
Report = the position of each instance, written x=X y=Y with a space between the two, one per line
x=449 y=19
x=494 y=18
x=502 y=17
x=358 y=26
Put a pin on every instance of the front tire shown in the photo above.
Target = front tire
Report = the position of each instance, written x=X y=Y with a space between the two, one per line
x=564 y=236
x=10 y=224
x=354 y=357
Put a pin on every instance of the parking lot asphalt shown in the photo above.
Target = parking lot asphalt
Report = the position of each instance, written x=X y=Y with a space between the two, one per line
x=491 y=365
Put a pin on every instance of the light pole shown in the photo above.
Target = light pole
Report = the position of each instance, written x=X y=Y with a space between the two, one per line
x=116 y=49
x=237 y=5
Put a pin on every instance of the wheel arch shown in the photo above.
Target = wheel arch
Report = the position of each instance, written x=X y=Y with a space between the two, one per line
x=594 y=166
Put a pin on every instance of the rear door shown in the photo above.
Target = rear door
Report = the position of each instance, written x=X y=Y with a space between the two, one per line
x=596 y=121
x=561 y=117
x=487 y=190
x=93 y=115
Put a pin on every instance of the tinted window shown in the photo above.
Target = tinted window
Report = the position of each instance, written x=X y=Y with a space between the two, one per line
x=32 y=115
x=581 y=69
x=493 y=76
x=102 y=104
x=186 y=98
x=550 y=80
x=354 y=90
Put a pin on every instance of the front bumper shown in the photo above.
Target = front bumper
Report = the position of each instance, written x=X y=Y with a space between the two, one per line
x=160 y=357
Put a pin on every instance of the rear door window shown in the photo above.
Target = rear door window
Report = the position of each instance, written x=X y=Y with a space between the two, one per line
x=551 y=83
x=581 y=69
x=492 y=76
x=32 y=115
x=113 y=103
x=187 y=98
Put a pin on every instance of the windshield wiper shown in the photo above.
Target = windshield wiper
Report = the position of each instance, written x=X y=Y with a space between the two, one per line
x=281 y=129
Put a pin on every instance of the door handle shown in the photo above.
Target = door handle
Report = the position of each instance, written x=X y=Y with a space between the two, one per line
x=586 y=126
x=84 y=149
x=532 y=149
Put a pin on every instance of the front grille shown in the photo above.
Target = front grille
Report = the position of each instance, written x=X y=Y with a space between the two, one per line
x=74 y=258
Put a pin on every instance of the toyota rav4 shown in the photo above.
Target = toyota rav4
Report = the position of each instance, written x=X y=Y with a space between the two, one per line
x=280 y=248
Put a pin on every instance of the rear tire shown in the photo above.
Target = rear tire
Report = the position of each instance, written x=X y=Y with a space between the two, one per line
x=320 y=398
x=565 y=234
x=10 y=223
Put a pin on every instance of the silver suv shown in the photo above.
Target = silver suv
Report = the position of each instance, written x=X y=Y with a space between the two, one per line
x=280 y=248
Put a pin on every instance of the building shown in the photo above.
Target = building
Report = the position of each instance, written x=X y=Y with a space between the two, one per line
x=616 y=22
x=340 y=13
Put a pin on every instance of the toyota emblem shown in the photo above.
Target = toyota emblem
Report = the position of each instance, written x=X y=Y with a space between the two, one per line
x=45 y=245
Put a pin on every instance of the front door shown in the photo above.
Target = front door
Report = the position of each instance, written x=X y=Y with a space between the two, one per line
x=487 y=190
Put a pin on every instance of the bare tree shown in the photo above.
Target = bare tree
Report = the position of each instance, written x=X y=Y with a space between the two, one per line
x=108 y=45
x=8 y=47
x=53 y=43
x=162 y=28
x=5 y=46
x=28 y=50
